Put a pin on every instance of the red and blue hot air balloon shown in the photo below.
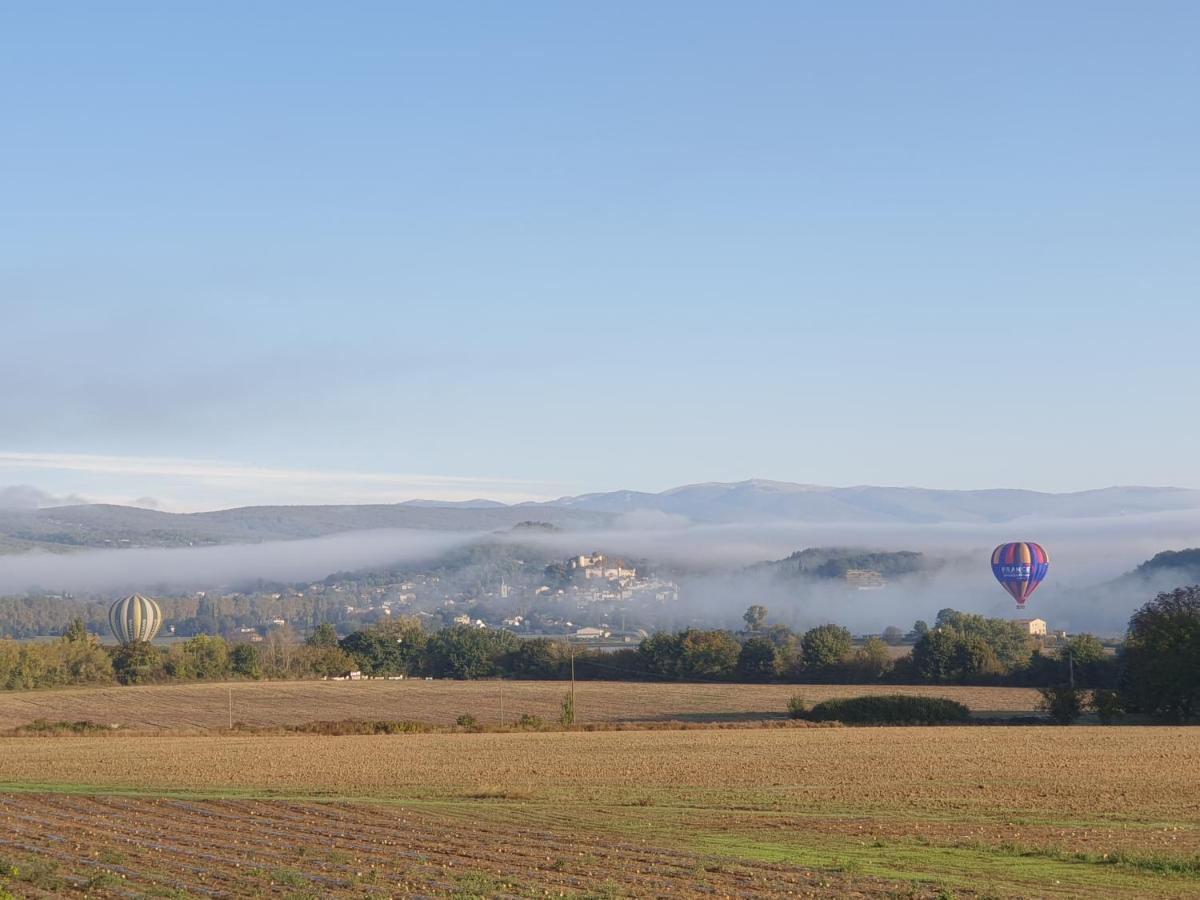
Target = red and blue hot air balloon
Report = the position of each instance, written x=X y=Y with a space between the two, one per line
x=1020 y=567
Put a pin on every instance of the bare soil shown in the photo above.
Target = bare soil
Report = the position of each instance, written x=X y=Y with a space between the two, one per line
x=120 y=846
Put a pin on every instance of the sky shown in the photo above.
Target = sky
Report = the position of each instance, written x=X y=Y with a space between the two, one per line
x=315 y=252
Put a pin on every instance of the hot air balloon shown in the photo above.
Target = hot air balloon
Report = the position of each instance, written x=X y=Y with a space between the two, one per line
x=1020 y=567
x=134 y=619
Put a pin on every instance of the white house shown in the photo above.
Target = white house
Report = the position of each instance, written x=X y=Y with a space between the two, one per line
x=1036 y=627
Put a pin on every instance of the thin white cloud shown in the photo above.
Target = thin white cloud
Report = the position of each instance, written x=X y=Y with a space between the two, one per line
x=194 y=468
x=231 y=480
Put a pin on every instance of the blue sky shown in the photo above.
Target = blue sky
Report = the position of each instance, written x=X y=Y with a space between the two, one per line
x=315 y=251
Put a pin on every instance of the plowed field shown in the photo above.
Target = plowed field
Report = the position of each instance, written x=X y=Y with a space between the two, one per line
x=108 y=846
x=995 y=811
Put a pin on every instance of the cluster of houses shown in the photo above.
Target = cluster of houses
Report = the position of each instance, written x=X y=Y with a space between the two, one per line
x=598 y=579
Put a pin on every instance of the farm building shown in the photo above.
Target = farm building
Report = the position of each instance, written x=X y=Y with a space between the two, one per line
x=1036 y=627
x=592 y=634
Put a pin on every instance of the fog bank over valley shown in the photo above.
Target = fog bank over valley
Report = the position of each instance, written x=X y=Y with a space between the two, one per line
x=716 y=565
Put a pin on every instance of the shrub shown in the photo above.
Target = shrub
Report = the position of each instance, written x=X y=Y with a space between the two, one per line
x=361 y=726
x=466 y=720
x=1107 y=704
x=1064 y=702
x=43 y=726
x=796 y=707
x=531 y=722
x=567 y=717
x=890 y=709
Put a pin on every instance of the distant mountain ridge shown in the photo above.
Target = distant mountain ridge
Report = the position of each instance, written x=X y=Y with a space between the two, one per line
x=758 y=500
x=753 y=502
x=99 y=525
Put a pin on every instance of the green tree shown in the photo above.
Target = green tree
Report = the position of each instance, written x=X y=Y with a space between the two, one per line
x=536 y=658
x=789 y=659
x=32 y=667
x=946 y=654
x=755 y=616
x=661 y=653
x=324 y=635
x=85 y=662
x=826 y=648
x=10 y=664
x=782 y=637
x=324 y=661
x=708 y=654
x=935 y=656
x=245 y=661
x=138 y=663
x=466 y=652
x=757 y=660
x=203 y=657
x=394 y=647
x=1082 y=649
x=1083 y=657
x=1162 y=657
x=946 y=617
x=977 y=658
x=76 y=631
x=1010 y=643
x=872 y=660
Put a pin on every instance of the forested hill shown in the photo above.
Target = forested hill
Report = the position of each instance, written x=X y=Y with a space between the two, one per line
x=1171 y=567
x=835 y=562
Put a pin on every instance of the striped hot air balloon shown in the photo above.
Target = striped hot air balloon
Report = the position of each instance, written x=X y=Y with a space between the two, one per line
x=1020 y=567
x=134 y=619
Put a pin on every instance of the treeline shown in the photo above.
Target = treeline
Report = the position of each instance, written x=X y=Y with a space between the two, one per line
x=1157 y=671
x=960 y=649
x=40 y=615
x=963 y=648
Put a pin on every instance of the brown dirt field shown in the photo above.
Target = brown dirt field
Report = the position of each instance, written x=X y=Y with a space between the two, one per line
x=206 y=706
x=108 y=846
x=1002 y=811
x=1092 y=772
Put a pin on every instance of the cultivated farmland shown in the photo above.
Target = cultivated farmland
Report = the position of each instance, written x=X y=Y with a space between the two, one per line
x=995 y=811
x=207 y=706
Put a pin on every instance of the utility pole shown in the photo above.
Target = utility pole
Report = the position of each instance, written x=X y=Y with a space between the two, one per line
x=502 y=702
x=231 y=708
x=1071 y=668
x=574 y=713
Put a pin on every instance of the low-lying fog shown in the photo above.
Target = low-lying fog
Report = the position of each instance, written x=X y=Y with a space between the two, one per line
x=708 y=560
